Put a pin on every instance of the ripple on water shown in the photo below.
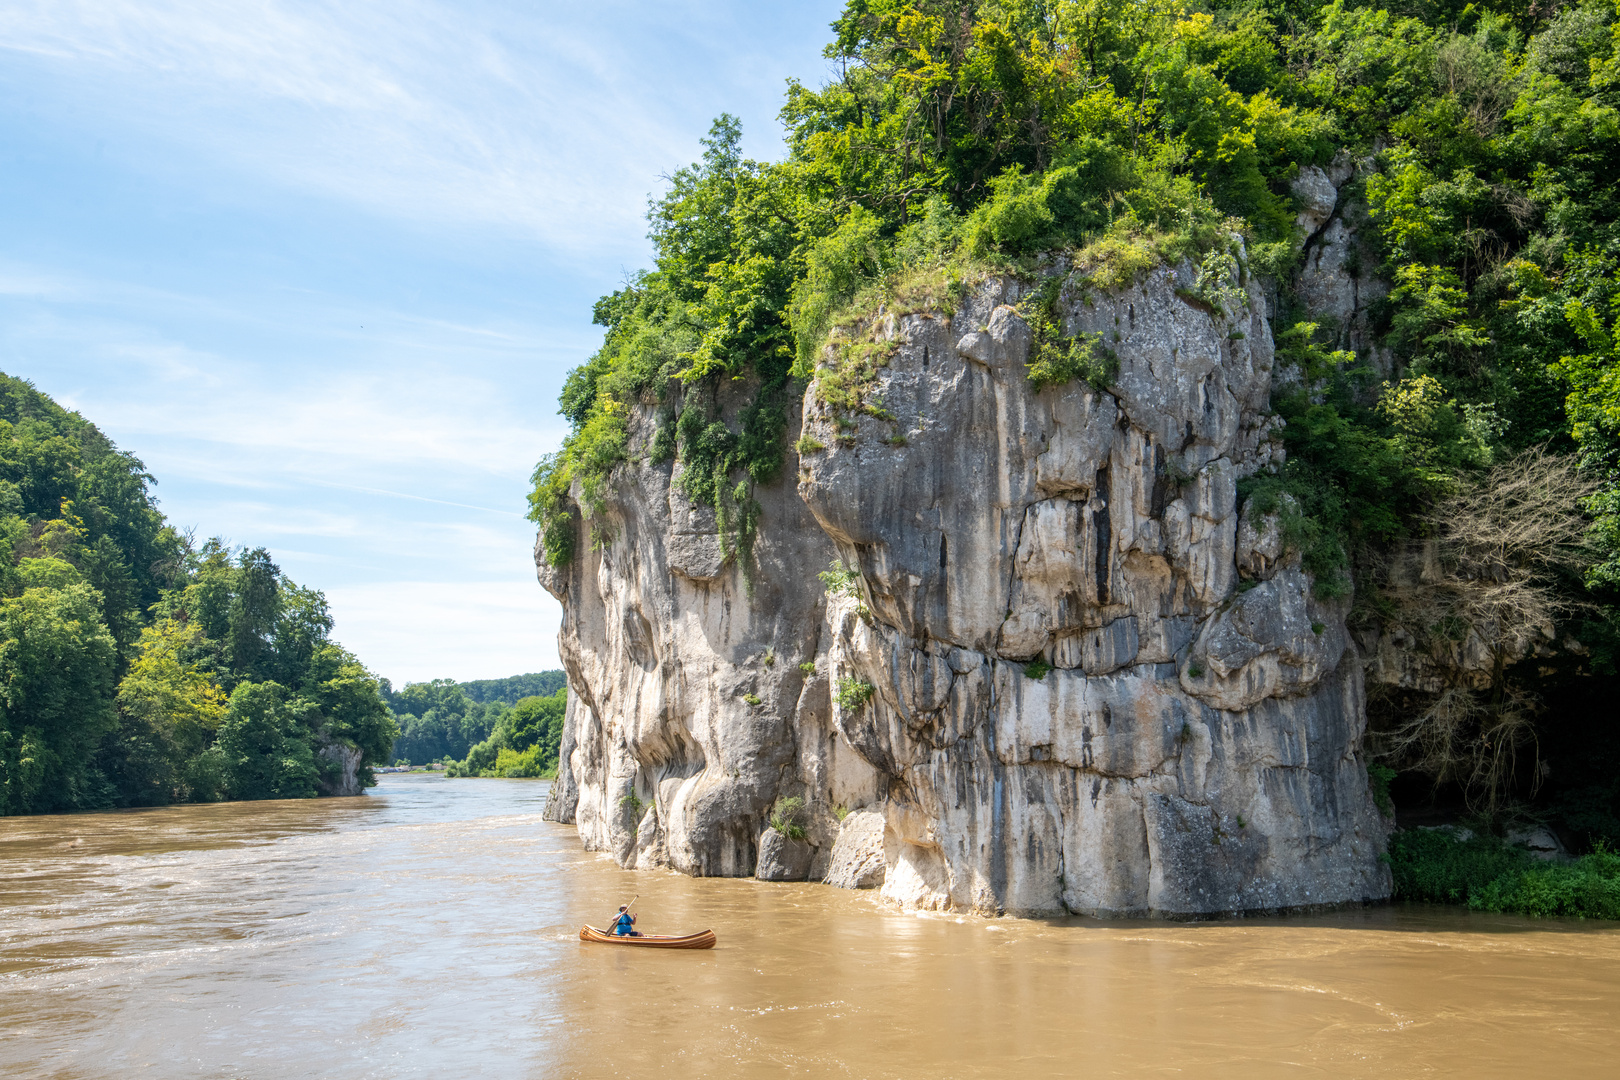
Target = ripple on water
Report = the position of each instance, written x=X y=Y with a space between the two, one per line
x=430 y=929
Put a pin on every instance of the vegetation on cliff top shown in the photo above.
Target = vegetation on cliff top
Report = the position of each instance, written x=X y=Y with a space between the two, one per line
x=960 y=136
x=138 y=669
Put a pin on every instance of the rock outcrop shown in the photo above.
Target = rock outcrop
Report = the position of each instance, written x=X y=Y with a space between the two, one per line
x=859 y=860
x=1073 y=674
x=339 y=765
x=1335 y=285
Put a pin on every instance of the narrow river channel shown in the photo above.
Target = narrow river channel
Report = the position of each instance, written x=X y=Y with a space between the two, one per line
x=428 y=930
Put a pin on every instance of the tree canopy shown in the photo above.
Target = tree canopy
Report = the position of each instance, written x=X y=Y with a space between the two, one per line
x=138 y=669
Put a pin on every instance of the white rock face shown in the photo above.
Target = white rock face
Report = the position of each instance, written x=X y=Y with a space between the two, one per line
x=1317 y=194
x=340 y=765
x=858 y=858
x=1195 y=747
x=1336 y=286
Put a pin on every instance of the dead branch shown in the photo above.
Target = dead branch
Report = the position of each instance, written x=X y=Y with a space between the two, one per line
x=1478 y=594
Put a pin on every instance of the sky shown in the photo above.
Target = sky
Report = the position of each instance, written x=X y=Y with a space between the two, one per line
x=323 y=267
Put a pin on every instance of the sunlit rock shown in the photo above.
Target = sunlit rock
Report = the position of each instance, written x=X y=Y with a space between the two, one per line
x=858 y=860
x=1073 y=674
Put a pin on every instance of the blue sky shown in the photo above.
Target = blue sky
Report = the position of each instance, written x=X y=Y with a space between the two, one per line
x=323 y=267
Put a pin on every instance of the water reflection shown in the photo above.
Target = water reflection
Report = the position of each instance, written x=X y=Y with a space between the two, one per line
x=428 y=930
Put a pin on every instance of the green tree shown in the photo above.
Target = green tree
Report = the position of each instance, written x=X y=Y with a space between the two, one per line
x=263 y=745
x=57 y=671
x=171 y=707
x=536 y=720
x=351 y=706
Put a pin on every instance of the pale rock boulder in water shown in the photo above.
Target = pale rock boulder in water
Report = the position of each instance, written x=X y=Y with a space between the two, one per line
x=858 y=857
x=782 y=858
x=1192 y=743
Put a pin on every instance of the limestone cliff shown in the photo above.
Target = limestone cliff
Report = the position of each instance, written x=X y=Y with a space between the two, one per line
x=1195 y=747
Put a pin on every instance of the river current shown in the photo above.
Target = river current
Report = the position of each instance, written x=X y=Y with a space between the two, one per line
x=429 y=930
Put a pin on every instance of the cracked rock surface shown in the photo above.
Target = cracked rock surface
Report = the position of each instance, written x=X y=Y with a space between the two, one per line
x=1191 y=741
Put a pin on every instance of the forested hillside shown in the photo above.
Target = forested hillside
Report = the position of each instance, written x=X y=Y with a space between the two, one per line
x=1081 y=142
x=138 y=669
x=516 y=687
x=496 y=727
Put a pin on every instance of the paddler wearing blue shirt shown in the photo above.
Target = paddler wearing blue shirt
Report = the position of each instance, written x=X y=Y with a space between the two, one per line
x=624 y=924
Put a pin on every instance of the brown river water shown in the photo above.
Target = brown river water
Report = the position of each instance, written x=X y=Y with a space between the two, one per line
x=429 y=930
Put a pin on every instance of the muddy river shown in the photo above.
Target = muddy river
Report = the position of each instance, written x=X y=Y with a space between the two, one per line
x=429 y=929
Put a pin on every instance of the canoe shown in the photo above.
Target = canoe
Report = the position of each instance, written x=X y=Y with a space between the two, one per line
x=703 y=940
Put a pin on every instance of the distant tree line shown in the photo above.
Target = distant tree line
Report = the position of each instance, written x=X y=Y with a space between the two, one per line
x=139 y=669
x=472 y=727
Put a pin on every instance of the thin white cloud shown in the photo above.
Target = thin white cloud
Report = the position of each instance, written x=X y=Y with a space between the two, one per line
x=414 y=394
x=362 y=442
x=376 y=540
x=360 y=427
x=262 y=519
x=417 y=498
x=551 y=120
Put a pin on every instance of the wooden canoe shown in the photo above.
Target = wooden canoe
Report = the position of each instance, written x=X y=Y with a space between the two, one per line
x=703 y=940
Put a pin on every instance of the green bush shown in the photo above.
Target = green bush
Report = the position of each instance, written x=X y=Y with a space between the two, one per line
x=840 y=581
x=533 y=762
x=1055 y=358
x=853 y=693
x=549 y=508
x=1379 y=777
x=480 y=757
x=526 y=737
x=836 y=267
x=1486 y=874
x=1015 y=218
x=1055 y=361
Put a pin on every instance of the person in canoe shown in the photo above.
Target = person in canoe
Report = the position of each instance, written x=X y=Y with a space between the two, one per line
x=624 y=924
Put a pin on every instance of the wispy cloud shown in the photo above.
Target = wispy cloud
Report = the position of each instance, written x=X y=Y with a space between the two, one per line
x=419 y=498
x=393 y=540
x=337 y=258
x=548 y=119
x=412 y=395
